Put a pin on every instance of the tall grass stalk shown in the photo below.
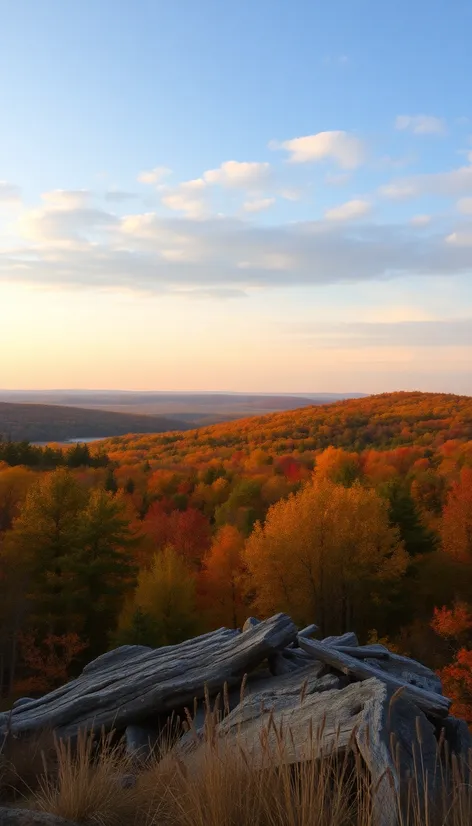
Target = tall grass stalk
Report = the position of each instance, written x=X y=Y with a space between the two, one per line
x=223 y=785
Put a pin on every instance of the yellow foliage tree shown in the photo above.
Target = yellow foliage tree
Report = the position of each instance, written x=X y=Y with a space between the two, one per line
x=14 y=485
x=338 y=465
x=162 y=611
x=327 y=555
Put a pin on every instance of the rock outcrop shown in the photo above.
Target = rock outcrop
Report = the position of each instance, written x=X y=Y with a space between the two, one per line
x=132 y=685
x=329 y=695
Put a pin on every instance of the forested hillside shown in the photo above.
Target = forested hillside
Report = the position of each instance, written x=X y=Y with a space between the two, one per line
x=380 y=422
x=356 y=514
x=44 y=423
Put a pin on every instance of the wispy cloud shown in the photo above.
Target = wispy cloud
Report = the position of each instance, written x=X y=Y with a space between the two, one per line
x=258 y=205
x=349 y=211
x=437 y=333
x=344 y=148
x=464 y=205
x=421 y=220
x=9 y=192
x=421 y=124
x=187 y=198
x=118 y=196
x=145 y=251
x=450 y=184
x=250 y=175
x=154 y=176
x=461 y=238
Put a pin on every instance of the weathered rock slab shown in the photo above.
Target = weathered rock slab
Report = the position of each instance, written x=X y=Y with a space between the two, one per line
x=430 y=702
x=320 y=717
x=129 y=687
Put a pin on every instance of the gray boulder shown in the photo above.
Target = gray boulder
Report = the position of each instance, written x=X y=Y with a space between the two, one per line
x=22 y=701
x=321 y=717
x=130 y=686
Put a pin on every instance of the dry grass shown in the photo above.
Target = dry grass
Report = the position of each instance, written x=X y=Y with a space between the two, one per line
x=23 y=763
x=225 y=787
x=87 y=785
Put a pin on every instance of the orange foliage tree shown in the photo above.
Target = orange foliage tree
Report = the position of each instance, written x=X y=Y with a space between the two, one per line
x=456 y=529
x=47 y=662
x=222 y=578
x=455 y=626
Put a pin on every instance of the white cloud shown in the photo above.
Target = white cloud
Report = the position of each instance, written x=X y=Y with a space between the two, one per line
x=148 y=252
x=345 y=149
x=421 y=124
x=9 y=192
x=185 y=198
x=271 y=261
x=416 y=333
x=65 y=199
x=258 y=205
x=461 y=238
x=65 y=219
x=240 y=175
x=337 y=178
x=291 y=194
x=420 y=220
x=464 y=205
x=356 y=208
x=446 y=184
x=399 y=191
x=154 y=176
x=118 y=196
x=390 y=162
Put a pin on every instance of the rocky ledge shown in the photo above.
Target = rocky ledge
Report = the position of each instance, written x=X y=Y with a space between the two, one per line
x=328 y=694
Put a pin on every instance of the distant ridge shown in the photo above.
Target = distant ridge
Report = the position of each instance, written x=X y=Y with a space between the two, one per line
x=381 y=422
x=191 y=407
x=44 y=423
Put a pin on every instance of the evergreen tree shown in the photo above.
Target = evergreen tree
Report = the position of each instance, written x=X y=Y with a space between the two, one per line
x=44 y=538
x=404 y=513
x=110 y=481
x=78 y=456
x=142 y=629
x=101 y=567
x=70 y=550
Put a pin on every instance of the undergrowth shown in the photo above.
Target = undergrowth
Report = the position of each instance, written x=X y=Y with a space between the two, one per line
x=218 y=781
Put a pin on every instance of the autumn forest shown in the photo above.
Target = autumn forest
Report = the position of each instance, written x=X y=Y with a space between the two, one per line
x=357 y=514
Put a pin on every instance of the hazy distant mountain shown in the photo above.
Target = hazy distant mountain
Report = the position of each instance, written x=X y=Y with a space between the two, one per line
x=43 y=423
x=198 y=408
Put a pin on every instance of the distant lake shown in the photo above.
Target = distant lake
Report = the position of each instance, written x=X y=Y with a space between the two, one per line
x=86 y=439
x=75 y=441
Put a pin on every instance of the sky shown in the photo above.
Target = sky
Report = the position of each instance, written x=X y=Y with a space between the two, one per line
x=260 y=195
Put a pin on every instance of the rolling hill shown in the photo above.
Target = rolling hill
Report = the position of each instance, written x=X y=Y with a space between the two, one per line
x=196 y=408
x=44 y=423
x=382 y=422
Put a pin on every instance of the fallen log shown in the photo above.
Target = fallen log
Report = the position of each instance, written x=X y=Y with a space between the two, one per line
x=410 y=671
x=349 y=638
x=308 y=631
x=362 y=652
x=124 y=690
x=432 y=704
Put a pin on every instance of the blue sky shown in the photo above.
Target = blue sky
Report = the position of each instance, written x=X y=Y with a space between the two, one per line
x=249 y=196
